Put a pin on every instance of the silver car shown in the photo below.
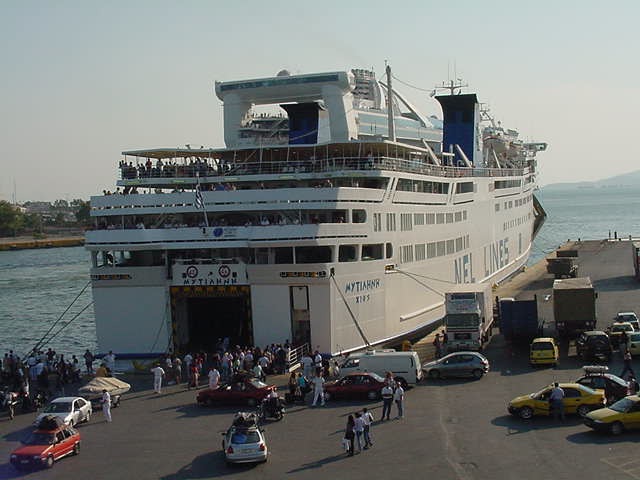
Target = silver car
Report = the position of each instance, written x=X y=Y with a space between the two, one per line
x=244 y=445
x=457 y=364
x=72 y=410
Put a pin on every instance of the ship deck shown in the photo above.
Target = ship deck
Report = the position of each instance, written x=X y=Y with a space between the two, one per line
x=453 y=428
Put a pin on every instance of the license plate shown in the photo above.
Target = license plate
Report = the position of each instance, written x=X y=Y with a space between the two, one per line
x=24 y=461
x=247 y=450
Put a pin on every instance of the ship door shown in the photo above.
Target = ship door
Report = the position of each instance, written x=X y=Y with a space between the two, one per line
x=300 y=318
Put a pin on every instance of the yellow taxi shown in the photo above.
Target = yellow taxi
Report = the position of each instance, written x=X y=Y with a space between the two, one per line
x=544 y=351
x=577 y=399
x=618 y=417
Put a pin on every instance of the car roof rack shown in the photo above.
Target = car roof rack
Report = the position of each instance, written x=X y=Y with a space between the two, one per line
x=595 y=369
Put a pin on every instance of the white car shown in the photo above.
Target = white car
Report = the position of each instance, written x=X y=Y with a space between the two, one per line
x=244 y=445
x=630 y=317
x=633 y=344
x=72 y=410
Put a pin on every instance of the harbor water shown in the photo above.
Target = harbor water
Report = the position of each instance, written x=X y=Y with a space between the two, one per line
x=36 y=286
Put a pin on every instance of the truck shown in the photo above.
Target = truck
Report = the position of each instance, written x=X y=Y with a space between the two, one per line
x=574 y=306
x=562 y=267
x=468 y=317
x=519 y=319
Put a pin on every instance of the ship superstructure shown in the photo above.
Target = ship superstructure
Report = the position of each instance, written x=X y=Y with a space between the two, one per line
x=338 y=238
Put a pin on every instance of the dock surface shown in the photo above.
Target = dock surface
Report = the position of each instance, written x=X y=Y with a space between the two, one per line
x=453 y=429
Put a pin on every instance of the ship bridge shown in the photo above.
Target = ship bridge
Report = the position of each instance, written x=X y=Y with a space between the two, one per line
x=304 y=97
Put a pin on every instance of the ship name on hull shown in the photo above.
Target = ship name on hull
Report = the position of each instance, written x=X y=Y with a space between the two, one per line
x=496 y=256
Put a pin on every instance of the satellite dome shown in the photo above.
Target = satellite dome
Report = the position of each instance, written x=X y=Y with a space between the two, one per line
x=283 y=73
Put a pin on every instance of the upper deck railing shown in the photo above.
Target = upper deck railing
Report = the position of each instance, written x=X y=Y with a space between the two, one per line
x=219 y=169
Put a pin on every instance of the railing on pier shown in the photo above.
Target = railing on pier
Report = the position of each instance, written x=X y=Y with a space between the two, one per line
x=295 y=356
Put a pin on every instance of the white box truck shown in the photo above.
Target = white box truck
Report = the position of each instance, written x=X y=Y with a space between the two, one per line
x=403 y=365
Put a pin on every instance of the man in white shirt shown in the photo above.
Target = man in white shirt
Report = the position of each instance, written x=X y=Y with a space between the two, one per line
x=158 y=373
x=188 y=360
x=358 y=429
x=387 y=399
x=307 y=365
x=367 y=418
x=110 y=361
x=556 y=401
x=318 y=389
x=398 y=397
x=214 y=378
x=106 y=405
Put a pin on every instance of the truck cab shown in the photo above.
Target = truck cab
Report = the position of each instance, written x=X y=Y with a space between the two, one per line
x=468 y=317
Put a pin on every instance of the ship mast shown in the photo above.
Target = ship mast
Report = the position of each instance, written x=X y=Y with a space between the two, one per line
x=391 y=124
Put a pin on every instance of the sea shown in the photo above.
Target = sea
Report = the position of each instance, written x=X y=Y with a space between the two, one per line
x=45 y=294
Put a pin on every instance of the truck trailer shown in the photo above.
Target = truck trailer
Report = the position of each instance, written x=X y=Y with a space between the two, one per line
x=574 y=306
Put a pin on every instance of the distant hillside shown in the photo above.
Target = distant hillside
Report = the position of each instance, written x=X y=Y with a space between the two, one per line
x=631 y=179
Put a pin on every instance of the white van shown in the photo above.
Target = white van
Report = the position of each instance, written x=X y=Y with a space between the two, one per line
x=403 y=365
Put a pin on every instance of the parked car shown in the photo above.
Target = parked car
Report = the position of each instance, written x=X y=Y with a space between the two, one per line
x=241 y=390
x=405 y=366
x=42 y=447
x=617 y=331
x=622 y=415
x=597 y=377
x=633 y=344
x=577 y=399
x=630 y=317
x=457 y=364
x=355 y=385
x=544 y=351
x=244 y=441
x=594 y=345
x=72 y=410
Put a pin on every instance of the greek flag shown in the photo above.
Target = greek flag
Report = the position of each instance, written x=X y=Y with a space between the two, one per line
x=199 y=203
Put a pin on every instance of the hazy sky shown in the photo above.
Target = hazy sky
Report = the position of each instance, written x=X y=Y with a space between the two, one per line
x=81 y=81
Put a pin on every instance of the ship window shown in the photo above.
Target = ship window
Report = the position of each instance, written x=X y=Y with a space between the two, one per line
x=420 y=251
x=348 y=253
x=458 y=216
x=464 y=215
x=458 y=244
x=372 y=251
x=262 y=256
x=418 y=218
x=283 y=254
x=449 y=217
x=497 y=207
x=389 y=250
x=440 y=218
x=441 y=248
x=377 y=222
x=358 y=216
x=451 y=246
x=431 y=218
x=431 y=250
x=320 y=254
x=464 y=187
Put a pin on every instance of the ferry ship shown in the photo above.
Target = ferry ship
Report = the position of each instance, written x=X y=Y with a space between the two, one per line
x=337 y=223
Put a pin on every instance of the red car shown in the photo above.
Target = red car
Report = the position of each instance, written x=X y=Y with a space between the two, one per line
x=43 y=447
x=241 y=390
x=355 y=385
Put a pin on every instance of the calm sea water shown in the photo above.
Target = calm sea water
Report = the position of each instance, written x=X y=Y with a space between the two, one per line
x=36 y=286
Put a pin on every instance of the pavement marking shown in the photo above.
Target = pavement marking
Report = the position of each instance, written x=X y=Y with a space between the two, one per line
x=622 y=462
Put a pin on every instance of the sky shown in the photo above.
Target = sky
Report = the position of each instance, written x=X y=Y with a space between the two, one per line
x=83 y=80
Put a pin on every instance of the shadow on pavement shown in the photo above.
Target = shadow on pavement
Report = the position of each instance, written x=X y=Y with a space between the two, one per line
x=7 y=471
x=319 y=463
x=516 y=425
x=591 y=437
x=209 y=465
x=17 y=435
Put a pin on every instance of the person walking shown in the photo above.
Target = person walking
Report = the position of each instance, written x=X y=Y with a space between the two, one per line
x=307 y=365
x=88 y=361
x=110 y=361
x=387 y=399
x=158 y=373
x=358 y=428
x=318 y=388
x=349 y=434
x=214 y=378
x=438 y=345
x=556 y=403
x=398 y=397
x=628 y=364
x=106 y=405
x=367 y=418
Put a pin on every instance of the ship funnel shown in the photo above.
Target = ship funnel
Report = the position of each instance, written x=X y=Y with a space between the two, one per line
x=461 y=115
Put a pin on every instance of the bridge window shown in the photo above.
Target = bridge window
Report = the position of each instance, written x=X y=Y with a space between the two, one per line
x=348 y=253
x=321 y=254
x=373 y=251
x=358 y=216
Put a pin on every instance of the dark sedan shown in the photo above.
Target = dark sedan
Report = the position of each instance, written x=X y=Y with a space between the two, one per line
x=240 y=391
x=458 y=364
x=355 y=385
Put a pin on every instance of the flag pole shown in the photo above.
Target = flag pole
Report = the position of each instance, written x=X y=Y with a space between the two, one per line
x=199 y=203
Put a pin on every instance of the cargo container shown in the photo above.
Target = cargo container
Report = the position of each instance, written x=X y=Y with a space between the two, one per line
x=562 y=267
x=519 y=319
x=574 y=306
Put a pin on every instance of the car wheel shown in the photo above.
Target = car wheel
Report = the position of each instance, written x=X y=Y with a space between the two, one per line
x=583 y=410
x=435 y=374
x=525 y=413
x=327 y=396
x=372 y=395
x=87 y=418
x=72 y=423
x=477 y=374
x=49 y=462
x=251 y=402
x=617 y=428
x=76 y=449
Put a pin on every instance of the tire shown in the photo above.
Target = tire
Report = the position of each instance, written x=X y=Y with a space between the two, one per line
x=76 y=449
x=251 y=402
x=327 y=396
x=373 y=395
x=278 y=415
x=583 y=410
x=525 y=413
x=477 y=374
x=49 y=462
x=616 y=428
x=87 y=418
x=434 y=374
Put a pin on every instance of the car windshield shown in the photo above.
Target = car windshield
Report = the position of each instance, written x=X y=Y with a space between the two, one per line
x=540 y=393
x=622 y=328
x=590 y=391
x=243 y=437
x=377 y=377
x=622 y=406
x=634 y=337
x=257 y=383
x=39 y=438
x=542 y=346
x=58 y=407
